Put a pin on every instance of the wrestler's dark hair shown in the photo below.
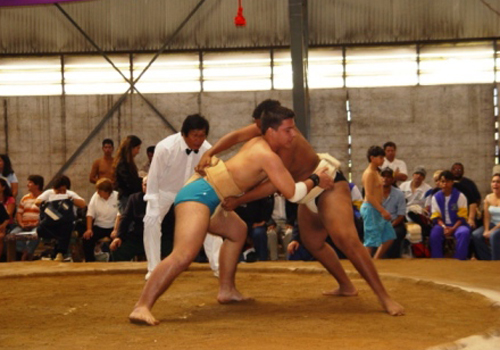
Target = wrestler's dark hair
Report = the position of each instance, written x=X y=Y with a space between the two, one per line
x=37 y=180
x=264 y=106
x=390 y=144
x=448 y=175
x=194 y=122
x=108 y=142
x=60 y=181
x=374 y=151
x=274 y=117
x=458 y=163
x=150 y=149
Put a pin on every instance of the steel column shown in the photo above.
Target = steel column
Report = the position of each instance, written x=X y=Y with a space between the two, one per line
x=299 y=45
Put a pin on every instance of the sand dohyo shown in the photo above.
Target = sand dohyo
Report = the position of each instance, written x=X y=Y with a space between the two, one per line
x=47 y=305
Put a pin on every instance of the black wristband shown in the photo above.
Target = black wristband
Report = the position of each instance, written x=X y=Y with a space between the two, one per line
x=315 y=179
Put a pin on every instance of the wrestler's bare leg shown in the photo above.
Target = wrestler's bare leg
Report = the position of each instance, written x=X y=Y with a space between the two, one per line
x=335 y=207
x=313 y=236
x=191 y=224
x=384 y=247
x=234 y=230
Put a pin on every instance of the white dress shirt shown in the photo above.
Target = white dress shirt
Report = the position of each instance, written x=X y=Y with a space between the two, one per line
x=171 y=167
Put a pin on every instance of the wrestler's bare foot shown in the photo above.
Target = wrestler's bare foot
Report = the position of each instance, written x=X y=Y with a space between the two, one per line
x=231 y=296
x=342 y=292
x=393 y=308
x=142 y=315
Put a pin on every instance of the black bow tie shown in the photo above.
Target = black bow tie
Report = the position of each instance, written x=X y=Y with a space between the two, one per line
x=189 y=150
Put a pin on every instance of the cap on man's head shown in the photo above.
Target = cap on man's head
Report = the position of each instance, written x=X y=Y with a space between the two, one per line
x=387 y=171
x=420 y=170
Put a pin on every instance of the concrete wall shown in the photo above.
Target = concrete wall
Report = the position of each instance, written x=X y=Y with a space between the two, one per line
x=433 y=126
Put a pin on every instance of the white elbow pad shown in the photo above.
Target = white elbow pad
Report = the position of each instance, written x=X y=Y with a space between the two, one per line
x=300 y=192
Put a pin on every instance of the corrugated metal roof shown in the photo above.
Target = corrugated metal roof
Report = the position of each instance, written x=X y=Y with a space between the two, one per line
x=137 y=25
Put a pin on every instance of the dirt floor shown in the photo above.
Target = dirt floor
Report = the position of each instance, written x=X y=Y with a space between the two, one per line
x=48 y=305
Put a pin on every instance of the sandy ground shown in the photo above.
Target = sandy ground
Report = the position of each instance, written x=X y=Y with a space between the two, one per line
x=48 y=305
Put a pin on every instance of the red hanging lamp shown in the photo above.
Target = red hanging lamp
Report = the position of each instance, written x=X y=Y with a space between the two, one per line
x=239 y=20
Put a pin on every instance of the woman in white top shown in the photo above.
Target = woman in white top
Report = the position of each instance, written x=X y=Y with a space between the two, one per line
x=490 y=232
x=101 y=216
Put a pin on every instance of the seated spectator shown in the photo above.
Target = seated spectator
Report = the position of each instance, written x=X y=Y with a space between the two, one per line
x=101 y=216
x=8 y=201
x=397 y=165
x=296 y=250
x=430 y=193
x=256 y=214
x=394 y=202
x=28 y=216
x=57 y=214
x=279 y=227
x=469 y=189
x=128 y=242
x=414 y=192
x=490 y=232
x=150 y=151
x=8 y=173
x=449 y=216
x=4 y=221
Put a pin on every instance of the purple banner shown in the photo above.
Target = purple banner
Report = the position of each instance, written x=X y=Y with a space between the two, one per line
x=31 y=2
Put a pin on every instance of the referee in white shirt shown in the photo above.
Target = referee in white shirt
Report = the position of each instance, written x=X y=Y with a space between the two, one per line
x=173 y=164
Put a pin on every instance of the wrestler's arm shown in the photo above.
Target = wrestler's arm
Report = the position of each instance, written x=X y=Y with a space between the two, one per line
x=262 y=190
x=280 y=177
x=227 y=141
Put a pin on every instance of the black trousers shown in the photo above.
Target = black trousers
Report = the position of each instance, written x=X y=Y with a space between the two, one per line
x=89 y=244
x=59 y=230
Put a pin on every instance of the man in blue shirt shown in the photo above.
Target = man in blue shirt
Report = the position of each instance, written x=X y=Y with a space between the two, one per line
x=394 y=202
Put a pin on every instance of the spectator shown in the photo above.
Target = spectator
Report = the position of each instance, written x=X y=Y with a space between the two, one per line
x=256 y=214
x=150 y=151
x=128 y=242
x=57 y=215
x=296 y=250
x=415 y=191
x=394 y=202
x=378 y=230
x=127 y=180
x=4 y=221
x=9 y=174
x=101 y=216
x=469 y=189
x=8 y=201
x=103 y=167
x=397 y=165
x=449 y=215
x=28 y=216
x=490 y=232
x=430 y=193
x=279 y=227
